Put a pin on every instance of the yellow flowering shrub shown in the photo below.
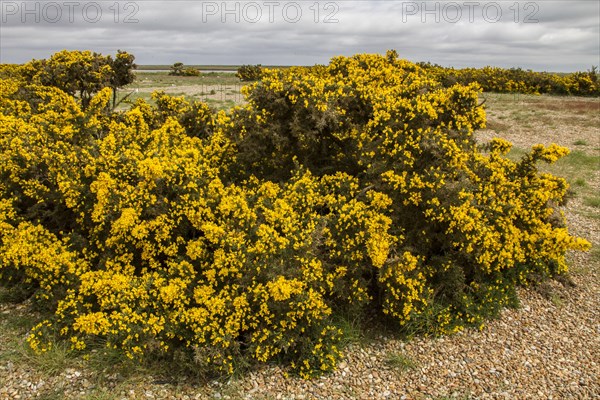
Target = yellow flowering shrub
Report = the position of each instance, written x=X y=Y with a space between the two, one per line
x=352 y=187
x=517 y=80
x=465 y=224
x=81 y=73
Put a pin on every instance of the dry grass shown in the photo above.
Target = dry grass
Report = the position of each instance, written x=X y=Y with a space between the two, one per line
x=526 y=120
x=220 y=90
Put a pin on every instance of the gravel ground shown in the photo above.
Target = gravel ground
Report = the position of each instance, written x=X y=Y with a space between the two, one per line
x=547 y=349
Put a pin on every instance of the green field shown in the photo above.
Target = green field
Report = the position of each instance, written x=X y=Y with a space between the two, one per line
x=203 y=67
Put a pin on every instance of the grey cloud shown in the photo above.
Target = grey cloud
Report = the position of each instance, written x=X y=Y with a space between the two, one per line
x=565 y=38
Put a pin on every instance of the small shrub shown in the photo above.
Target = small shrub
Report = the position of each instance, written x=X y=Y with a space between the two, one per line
x=248 y=73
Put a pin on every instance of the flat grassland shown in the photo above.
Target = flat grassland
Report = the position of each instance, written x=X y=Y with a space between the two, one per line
x=548 y=348
x=220 y=90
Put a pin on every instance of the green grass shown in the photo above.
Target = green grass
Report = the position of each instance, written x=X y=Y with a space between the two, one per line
x=17 y=351
x=528 y=111
x=593 y=201
x=99 y=394
x=52 y=394
x=58 y=358
x=202 y=67
x=591 y=215
x=580 y=143
x=575 y=168
x=104 y=367
x=14 y=330
x=220 y=104
x=550 y=293
x=580 y=159
x=516 y=153
x=353 y=330
x=225 y=86
x=595 y=254
x=400 y=362
x=163 y=79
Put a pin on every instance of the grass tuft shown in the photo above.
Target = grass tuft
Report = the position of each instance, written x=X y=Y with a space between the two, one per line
x=400 y=362
x=353 y=330
x=593 y=201
x=580 y=159
x=595 y=254
x=580 y=182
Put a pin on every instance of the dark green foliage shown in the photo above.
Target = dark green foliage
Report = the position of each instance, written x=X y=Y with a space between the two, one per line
x=249 y=73
x=178 y=69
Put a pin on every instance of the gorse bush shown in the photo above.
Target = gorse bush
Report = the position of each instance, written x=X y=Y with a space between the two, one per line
x=248 y=73
x=81 y=73
x=466 y=222
x=517 y=80
x=353 y=187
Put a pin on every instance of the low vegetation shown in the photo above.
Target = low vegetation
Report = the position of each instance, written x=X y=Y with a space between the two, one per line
x=517 y=80
x=178 y=69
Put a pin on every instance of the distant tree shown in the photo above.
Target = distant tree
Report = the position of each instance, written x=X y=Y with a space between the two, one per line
x=593 y=73
x=391 y=55
x=178 y=69
x=123 y=74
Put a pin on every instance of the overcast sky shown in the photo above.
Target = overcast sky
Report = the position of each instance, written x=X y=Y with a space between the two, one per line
x=539 y=35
